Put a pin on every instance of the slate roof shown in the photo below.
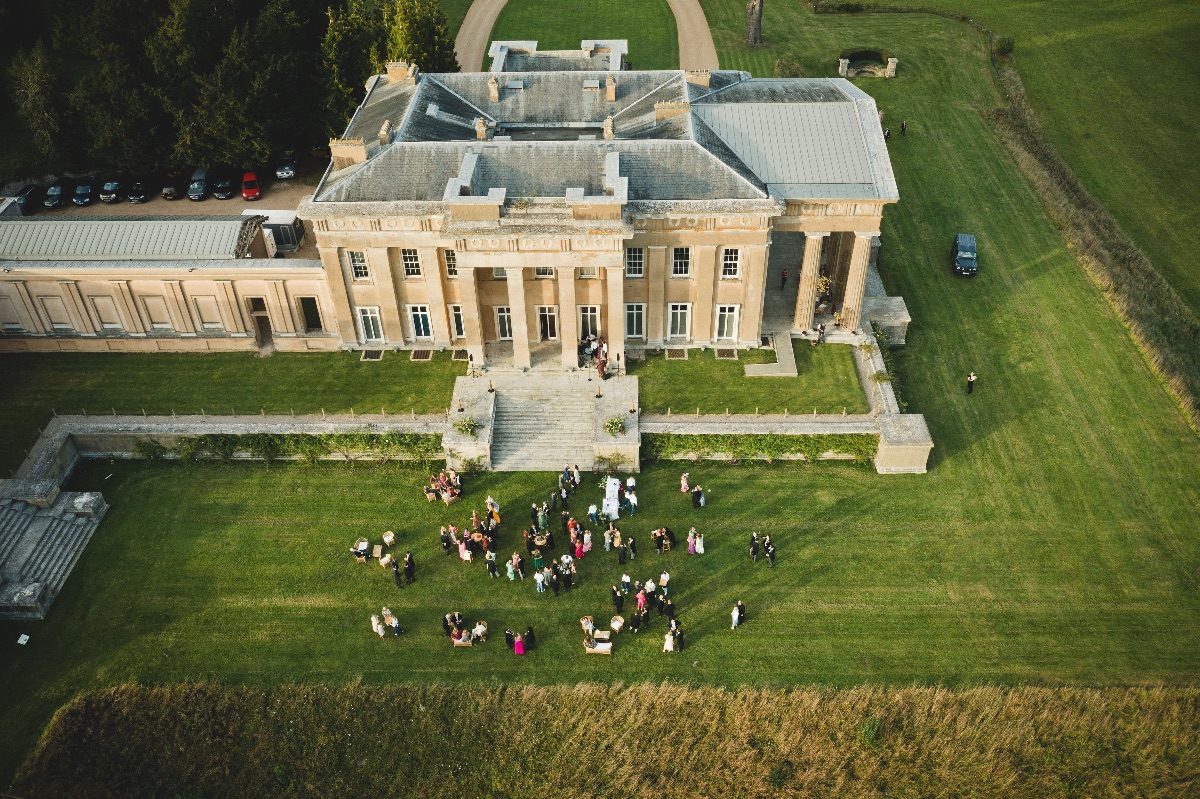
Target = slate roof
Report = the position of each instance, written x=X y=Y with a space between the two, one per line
x=737 y=138
x=136 y=238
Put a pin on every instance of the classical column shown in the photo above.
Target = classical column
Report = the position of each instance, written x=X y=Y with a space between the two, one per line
x=77 y=309
x=177 y=305
x=810 y=270
x=38 y=324
x=754 y=277
x=468 y=294
x=705 y=275
x=615 y=277
x=568 y=321
x=515 y=277
x=388 y=297
x=657 y=270
x=230 y=306
x=856 y=280
x=130 y=318
x=431 y=271
x=335 y=279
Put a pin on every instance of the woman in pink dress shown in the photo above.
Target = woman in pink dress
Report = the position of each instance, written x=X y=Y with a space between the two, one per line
x=519 y=645
x=692 y=541
x=578 y=548
x=641 y=601
x=683 y=484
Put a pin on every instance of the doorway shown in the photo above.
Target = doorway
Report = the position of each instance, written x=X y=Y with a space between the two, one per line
x=547 y=323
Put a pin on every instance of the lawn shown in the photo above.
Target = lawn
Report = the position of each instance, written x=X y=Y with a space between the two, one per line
x=1054 y=541
x=827 y=381
x=649 y=26
x=36 y=385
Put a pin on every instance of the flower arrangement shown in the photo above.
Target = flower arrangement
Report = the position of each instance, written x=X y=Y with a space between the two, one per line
x=614 y=426
x=466 y=425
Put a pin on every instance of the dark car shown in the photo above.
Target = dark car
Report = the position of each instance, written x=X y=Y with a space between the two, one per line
x=198 y=186
x=285 y=167
x=85 y=190
x=174 y=186
x=114 y=187
x=965 y=255
x=59 y=193
x=29 y=198
x=140 y=190
x=225 y=184
x=251 y=189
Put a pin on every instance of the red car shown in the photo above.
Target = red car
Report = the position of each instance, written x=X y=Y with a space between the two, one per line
x=250 y=188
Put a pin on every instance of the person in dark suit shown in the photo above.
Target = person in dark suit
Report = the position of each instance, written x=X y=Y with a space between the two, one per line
x=446 y=625
x=530 y=640
x=741 y=609
x=621 y=554
x=533 y=515
x=632 y=548
x=555 y=582
x=618 y=599
x=410 y=567
x=509 y=638
x=669 y=608
x=396 y=574
x=445 y=542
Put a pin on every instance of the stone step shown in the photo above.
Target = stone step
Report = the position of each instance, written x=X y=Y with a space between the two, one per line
x=541 y=431
x=58 y=533
x=14 y=520
x=57 y=570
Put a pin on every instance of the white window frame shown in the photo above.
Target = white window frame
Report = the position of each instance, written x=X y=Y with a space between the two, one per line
x=356 y=262
x=411 y=260
x=580 y=310
x=635 y=310
x=587 y=273
x=635 y=262
x=450 y=258
x=543 y=272
x=415 y=311
x=681 y=259
x=499 y=273
x=458 y=328
x=552 y=312
x=731 y=264
x=370 y=312
x=504 y=312
x=684 y=308
x=736 y=312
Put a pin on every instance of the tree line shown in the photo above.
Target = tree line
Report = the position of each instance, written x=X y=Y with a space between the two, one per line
x=148 y=85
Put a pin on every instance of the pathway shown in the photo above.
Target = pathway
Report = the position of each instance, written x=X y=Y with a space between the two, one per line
x=696 y=48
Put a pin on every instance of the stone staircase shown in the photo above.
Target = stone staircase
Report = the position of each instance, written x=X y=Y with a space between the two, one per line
x=38 y=549
x=540 y=431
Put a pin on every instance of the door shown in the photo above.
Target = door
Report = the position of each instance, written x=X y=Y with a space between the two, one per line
x=370 y=324
x=679 y=320
x=727 y=322
x=504 y=328
x=589 y=321
x=547 y=323
x=420 y=321
x=312 y=315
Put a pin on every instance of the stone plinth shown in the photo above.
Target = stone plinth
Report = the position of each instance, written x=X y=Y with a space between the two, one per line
x=479 y=404
x=890 y=314
x=904 y=444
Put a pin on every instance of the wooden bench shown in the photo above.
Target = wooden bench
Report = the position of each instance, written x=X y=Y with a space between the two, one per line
x=377 y=551
x=463 y=643
x=599 y=649
x=450 y=499
x=602 y=635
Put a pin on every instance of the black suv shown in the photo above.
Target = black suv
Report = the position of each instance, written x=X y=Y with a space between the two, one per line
x=29 y=198
x=114 y=187
x=58 y=193
x=139 y=190
x=225 y=183
x=85 y=190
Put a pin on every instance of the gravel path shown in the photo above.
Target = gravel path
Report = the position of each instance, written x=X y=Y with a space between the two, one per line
x=696 y=48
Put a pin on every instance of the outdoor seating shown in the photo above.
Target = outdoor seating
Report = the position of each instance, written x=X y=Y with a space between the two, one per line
x=617 y=623
x=389 y=538
x=377 y=552
x=599 y=648
x=449 y=498
x=602 y=635
x=386 y=560
x=360 y=550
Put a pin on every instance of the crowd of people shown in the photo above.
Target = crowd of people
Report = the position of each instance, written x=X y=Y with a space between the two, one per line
x=446 y=486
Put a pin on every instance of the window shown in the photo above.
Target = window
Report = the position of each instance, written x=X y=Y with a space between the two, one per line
x=635 y=320
x=680 y=319
x=498 y=273
x=456 y=320
x=451 y=259
x=370 y=326
x=412 y=263
x=543 y=271
x=727 y=321
x=588 y=272
x=106 y=312
x=419 y=314
x=681 y=262
x=547 y=323
x=589 y=321
x=731 y=264
x=635 y=261
x=504 y=327
x=208 y=312
x=358 y=265
x=312 y=315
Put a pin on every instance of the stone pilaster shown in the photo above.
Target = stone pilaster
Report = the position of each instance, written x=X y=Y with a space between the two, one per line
x=810 y=270
x=568 y=321
x=515 y=276
x=615 y=278
x=856 y=280
x=468 y=294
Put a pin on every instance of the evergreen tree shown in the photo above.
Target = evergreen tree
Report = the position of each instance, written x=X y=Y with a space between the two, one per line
x=37 y=97
x=417 y=32
x=351 y=52
x=123 y=124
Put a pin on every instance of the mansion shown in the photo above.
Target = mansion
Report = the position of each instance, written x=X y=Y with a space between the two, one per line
x=507 y=215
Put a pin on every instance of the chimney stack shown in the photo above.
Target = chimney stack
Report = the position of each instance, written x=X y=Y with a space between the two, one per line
x=480 y=129
x=610 y=89
x=385 y=133
x=347 y=152
x=609 y=133
x=493 y=89
x=401 y=72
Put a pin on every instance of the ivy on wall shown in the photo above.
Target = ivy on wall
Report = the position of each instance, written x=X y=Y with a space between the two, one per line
x=861 y=446
x=423 y=447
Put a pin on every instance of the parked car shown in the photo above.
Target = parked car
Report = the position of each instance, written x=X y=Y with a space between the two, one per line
x=114 y=187
x=964 y=255
x=250 y=188
x=198 y=186
x=85 y=190
x=29 y=198
x=319 y=150
x=224 y=183
x=59 y=192
x=174 y=186
x=139 y=190
x=285 y=167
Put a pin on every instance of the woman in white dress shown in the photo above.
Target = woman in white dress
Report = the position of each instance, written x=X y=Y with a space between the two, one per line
x=668 y=642
x=699 y=543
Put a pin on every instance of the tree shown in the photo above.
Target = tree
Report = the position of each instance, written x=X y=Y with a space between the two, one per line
x=351 y=52
x=754 y=13
x=123 y=124
x=38 y=98
x=417 y=32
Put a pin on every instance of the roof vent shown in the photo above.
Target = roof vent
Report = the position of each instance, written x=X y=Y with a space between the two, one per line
x=385 y=133
x=515 y=85
x=591 y=85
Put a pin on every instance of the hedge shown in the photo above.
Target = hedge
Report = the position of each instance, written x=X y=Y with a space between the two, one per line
x=860 y=446
x=422 y=447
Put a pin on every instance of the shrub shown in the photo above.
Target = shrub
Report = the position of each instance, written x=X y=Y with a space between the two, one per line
x=615 y=426
x=465 y=425
x=861 y=447
x=1004 y=46
x=788 y=68
x=150 y=449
